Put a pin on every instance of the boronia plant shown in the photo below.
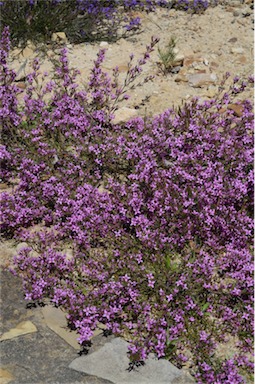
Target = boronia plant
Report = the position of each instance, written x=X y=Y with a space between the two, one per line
x=145 y=227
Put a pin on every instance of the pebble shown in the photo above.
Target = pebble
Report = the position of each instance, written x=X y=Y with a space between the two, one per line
x=237 y=50
x=236 y=13
x=246 y=11
x=59 y=37
x=124 y=114
x=232 y=40
x=21 y=85
x=27 y=52
x=103 y=44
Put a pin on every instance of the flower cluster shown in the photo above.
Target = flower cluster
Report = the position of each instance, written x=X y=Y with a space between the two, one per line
x=145 y=227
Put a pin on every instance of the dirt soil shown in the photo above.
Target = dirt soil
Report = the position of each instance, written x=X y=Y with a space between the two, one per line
x=209 y=45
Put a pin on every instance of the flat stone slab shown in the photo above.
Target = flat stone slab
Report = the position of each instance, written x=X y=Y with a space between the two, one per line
x=56 y=321
x=5 y=376
x=111 y=363
x=21 y=329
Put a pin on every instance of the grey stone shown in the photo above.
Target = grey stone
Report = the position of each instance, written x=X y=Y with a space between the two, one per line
x=111 y=363
x=198 y=80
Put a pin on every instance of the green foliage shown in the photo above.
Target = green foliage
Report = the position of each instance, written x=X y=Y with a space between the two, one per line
x=37 y=21
x=167 y=56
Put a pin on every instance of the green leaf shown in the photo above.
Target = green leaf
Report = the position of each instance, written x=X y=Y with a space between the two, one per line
x=168 y=262
x=205 y=306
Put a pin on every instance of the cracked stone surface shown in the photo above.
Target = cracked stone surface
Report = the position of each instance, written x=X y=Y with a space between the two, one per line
x=44 y=357
x=111 y=362
x=36 y=358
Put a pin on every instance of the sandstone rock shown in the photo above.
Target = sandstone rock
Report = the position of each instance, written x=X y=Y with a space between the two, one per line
x=192 y=60
x=182 y=76
x=199 y=80
x=124 y=114
x=21 y=85
x=59 y=37
x=21 y=329
x=3 y=186
x=241 y=60
x=27 y=52
x=5 y=376
x=237 y=108
x=56 y=321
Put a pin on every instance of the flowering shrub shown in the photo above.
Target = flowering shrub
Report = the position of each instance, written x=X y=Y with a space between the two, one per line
x=81 y=20
x=144 y=227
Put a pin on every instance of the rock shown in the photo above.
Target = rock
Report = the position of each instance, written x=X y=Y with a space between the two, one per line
x=236 y=13
x=31 y=45
x=213 y=65
x=237 y=50
x=124 y=114
x=111 y=363
x=182 y=76
x=21 y=85
x=199 y=80
x=246 y=11
x=56 y=321
x=7 y=252
x=241 y=60
x=103 y=44
x=237 y=108
x=21 y=329
x=192 y=60
x=176 y=69
x=3 y=186
x=59 y=37
x=232 y=40
x=5 y=376
x=27 y=52
x=123 y=68
x=178 y=61
x=21 y=246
